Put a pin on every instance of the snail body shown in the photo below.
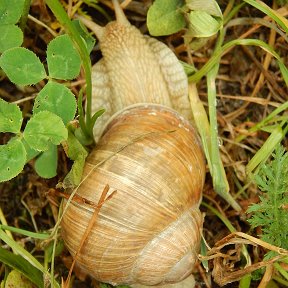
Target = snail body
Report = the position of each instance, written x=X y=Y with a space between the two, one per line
x=149 y=152
x=134 y=69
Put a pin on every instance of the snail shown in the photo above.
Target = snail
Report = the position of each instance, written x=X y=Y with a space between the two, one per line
x=134 y=69
x=149 y=152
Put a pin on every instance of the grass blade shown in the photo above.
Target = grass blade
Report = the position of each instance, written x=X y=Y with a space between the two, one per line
x=42 y=236
x=282 y=21
x=220 y=182
x=265 y=151
x=20 y=264
x=27 y=256
x=225 y=48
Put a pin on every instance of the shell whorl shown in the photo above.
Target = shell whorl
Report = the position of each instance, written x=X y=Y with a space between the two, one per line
x=175 y=251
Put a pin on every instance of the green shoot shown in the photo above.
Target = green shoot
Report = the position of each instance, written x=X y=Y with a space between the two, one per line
x=271 y=117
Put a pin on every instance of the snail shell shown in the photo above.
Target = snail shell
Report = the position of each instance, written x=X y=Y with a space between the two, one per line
x=149 y=231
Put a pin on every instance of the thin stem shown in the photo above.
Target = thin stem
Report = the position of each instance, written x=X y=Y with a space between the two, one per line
x=232 y=13
x=223 y=218
x=25 y=13
x=35 y=20
x=264 y=122
x=224 y=49
x=4 y=222
x=281 y=270
x=42 y=236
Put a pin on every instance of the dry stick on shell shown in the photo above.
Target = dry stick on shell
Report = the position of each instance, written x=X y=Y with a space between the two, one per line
x=91 y=223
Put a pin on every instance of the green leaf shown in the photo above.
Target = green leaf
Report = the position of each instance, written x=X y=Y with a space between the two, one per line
x=10 y=36
x=16 y=279
x=216 y=167
x=83 y=32
x=20 y=264
x=46 y=163
x=75 y=151
x=189 y=69
x=201 y=24
x=13 y=159
x=209 y=6
x=43 y=129
x=196 y=43
x=10 y=117
x=63 y=59
x=164 y=17
x=56 y=98
x=10 y=11
x=22 y=66
x=31 y=153
x=49 y=250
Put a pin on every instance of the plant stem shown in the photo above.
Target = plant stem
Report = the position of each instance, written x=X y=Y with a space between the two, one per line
x=217 y=171
x=225 y=48
x=26 y=255
x=231 y=13
x=280 y=20
x=25 y=13
x=280 y=280
x=223 y=218
x=281 y=270
x=3 y=221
